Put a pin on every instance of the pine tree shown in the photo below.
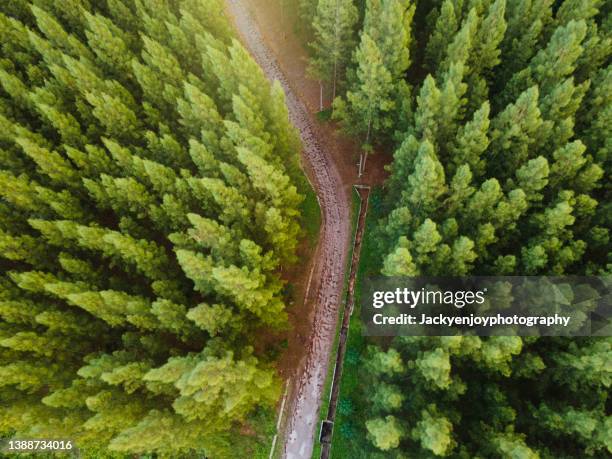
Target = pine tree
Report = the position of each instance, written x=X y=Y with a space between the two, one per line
x=389 y=24
x=514 y=130
x=472 y=141
x=526 y=20
x=491 y=31
x=452 y=92
x=377 y=86
x=427 y=183
x=399 y=262
x=426 y=123
x=459 y=49
x=333 y=25
x=109 y=44
x=368 y=107
x=387 y=397
x=445 y=29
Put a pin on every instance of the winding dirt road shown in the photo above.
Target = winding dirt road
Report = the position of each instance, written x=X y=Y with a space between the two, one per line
x=331 y=252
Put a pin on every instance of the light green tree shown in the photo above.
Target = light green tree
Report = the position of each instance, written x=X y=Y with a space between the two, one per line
x=334 y=29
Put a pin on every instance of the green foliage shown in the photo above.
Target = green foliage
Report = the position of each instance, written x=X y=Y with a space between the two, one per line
x=334 y=30
x=512 y=166
x=150 y=195
x=369 y=106
x=500 y=167
x=384 y=433
x=376 y=90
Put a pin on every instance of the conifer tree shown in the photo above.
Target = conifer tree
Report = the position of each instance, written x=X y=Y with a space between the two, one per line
x=427 y=182
x=445 y=29
x=333 y=26
x=368 y=106
x=307 y=10
x=377 y=87
x=526 y=21
x=389 y=23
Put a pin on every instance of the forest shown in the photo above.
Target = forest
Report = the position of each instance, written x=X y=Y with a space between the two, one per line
x=150 y=194
x=152 y=205
x=498 y=117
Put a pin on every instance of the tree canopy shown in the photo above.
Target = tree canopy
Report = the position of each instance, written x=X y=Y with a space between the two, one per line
x=149 y=197
x=500 y=167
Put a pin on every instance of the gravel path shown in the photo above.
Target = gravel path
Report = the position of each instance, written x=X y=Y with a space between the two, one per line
x=330 y=263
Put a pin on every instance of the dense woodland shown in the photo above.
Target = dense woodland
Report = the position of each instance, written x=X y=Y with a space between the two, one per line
x=150 y=193
x=499 y=117
x=149 y=198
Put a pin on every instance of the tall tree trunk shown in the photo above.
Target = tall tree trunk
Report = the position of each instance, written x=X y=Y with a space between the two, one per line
x=334 y=84
x=359 y=165
x=365 y=156
x=320 y=96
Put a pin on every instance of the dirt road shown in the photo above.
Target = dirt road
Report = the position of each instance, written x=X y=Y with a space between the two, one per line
x=331 y=254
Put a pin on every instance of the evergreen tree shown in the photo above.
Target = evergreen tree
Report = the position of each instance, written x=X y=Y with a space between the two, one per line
x=333 y=25
x=377 y=89
x=445 y=29
x=427 y=182
x=369 y=106
x=389 y=24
